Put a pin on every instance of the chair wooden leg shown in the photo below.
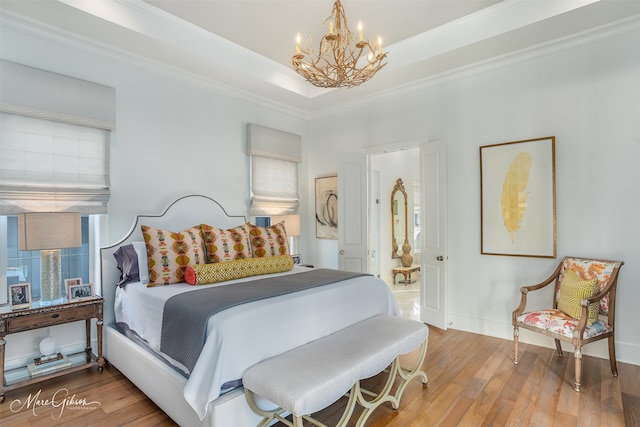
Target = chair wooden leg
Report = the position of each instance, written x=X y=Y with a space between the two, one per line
x=559 y=348
x=515 y=343
x=578 y=358
x=612 y=356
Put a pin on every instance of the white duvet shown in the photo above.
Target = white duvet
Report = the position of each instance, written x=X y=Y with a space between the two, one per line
x=242 y=336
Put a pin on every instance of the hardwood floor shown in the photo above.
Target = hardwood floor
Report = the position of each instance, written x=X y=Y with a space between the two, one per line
x=472 y=382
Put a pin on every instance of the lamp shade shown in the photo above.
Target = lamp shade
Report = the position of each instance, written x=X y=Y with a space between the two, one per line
x=49 y=230
x=291 y=223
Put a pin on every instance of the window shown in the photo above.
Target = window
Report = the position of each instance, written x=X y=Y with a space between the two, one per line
x=48 y=166
x=274 y=157
x=274 y=186
x=24 y=266
x=54 y=157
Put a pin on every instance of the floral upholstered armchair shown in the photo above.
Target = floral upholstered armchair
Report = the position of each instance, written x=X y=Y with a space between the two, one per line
x=583 y=309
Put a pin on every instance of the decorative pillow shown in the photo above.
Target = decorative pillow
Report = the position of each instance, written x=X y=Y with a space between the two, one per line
x=169 y=253
x=268 y=241
x=592 y=269
x=226 y=245
x=127 y=260
x=574 y=289
x=221 y=271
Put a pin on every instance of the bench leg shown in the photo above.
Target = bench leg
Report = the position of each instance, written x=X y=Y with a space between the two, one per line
x=267 y=416
x=380 y=398
x=396 y=371
x=408 y=375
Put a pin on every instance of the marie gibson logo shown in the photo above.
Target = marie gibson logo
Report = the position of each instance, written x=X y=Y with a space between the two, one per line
x=60 y=400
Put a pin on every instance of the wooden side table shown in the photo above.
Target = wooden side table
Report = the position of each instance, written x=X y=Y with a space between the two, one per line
x=12 y=321
x=406 y=272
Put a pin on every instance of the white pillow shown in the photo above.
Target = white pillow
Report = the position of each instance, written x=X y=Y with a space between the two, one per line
x=143 y=266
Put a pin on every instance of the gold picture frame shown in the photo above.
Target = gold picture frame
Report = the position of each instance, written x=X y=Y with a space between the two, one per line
x=327 y=207
x=518 y=198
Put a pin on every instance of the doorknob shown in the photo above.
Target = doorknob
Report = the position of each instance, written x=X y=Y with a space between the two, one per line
x=440 y=258
x=341 y=251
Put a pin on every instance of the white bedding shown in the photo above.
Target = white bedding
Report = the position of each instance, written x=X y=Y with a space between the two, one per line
x=244 y=335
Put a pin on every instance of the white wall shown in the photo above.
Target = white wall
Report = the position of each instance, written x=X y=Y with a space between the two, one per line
x=174 y=136
x=585 y=94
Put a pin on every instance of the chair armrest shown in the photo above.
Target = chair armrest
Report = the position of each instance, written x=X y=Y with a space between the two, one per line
x=578 y=332
x=526 y=289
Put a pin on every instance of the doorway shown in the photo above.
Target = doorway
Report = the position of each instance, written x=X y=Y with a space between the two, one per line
x=354 y=248
x=385 y=169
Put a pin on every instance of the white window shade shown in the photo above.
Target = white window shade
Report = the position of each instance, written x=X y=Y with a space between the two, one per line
x=274 y=186
x=48 y=166
x=274 y=170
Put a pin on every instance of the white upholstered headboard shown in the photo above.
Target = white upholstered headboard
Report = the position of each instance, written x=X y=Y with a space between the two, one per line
x=181 y=214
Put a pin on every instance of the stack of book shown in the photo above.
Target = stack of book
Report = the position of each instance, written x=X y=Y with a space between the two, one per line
x=48 y=364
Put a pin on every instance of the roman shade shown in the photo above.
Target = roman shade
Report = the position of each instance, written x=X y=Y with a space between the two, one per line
x=274 y=170
x=55 y=133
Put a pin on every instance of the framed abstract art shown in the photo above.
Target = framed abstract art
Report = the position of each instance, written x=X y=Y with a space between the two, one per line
x=327 y=207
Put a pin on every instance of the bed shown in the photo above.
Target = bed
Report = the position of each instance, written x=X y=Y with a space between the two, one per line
x=210 y=394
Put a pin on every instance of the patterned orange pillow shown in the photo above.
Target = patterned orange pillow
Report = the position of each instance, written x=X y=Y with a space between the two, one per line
x=268 y=241
x=226 y=245
x=169 y=253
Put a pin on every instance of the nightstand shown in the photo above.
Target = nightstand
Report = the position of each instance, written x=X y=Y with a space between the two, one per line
x=37 y=316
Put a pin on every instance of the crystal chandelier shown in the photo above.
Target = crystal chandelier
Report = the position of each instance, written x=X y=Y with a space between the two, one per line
x=339 y=62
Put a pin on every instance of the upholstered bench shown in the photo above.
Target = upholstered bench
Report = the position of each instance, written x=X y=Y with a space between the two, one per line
x=311 y=377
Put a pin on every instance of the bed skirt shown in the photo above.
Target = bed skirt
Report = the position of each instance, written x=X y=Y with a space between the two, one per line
x=164 y=386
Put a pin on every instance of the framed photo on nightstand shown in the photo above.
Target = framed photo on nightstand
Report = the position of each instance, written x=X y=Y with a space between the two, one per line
x=71 y=282
x=80 y=291
x=20 y=295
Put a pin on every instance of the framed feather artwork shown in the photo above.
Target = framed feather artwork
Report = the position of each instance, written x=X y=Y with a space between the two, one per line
x=518 y=198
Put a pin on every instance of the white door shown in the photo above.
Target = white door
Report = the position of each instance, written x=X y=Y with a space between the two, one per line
x=433 y=215
x=352 y=228
x=374 y=223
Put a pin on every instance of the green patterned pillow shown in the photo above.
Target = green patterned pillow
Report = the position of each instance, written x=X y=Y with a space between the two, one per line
x=574 y=289
x=204 y=274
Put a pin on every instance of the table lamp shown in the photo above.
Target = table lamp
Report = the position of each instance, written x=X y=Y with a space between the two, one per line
x=292 y=226
x=49 y=232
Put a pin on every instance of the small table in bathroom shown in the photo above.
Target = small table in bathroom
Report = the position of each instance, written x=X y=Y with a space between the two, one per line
x=406 y=272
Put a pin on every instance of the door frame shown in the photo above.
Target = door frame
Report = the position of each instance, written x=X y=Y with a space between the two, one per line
x=412 y=144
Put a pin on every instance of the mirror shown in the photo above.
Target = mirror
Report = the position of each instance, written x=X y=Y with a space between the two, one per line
x=399 y=235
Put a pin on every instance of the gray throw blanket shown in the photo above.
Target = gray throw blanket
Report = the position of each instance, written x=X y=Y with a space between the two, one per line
x=185 y=316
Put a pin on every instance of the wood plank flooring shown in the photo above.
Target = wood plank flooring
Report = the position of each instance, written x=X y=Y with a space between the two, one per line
x=472 y=382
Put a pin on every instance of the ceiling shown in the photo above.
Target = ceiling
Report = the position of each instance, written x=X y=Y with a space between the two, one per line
x=246 y=45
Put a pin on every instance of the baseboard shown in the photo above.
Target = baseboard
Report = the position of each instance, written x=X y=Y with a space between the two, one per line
x=625 y=352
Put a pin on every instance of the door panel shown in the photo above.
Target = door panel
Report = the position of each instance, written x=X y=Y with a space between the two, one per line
x=352 y=214
x=433 y=211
